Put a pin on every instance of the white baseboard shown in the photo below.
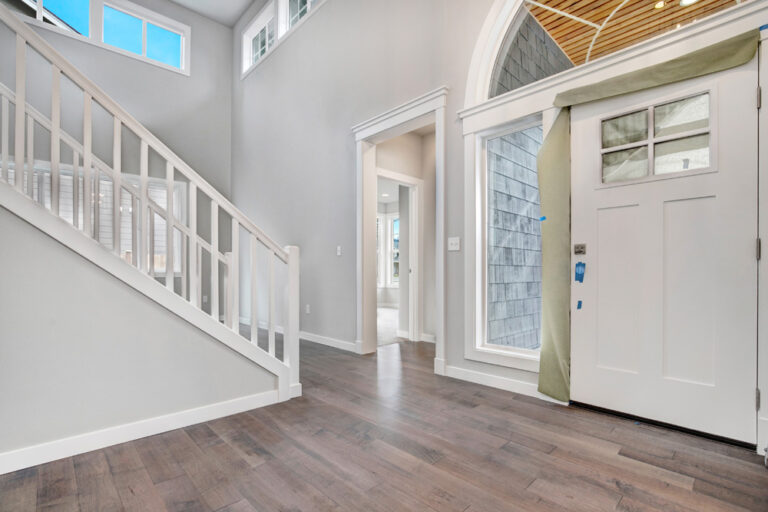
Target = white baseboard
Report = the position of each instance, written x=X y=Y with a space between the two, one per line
x=296 y=390
x=429 y=338
x=388 y=305
x=82 y=443
x=494 y=381
x=331 y=342
x=439 y=366
x=402 y=334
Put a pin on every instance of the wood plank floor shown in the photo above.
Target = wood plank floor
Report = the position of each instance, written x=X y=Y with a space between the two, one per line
x=382 y=433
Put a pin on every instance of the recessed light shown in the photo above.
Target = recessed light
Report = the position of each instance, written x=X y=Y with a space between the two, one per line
x=686 y=3
x=660 y=5
x=384 y=195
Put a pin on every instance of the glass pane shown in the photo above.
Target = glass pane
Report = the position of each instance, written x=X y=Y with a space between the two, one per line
x=163 y=45
x=514 y=241
x=625 y=129
x=628 y=164
x=74 y=13
x=682 y=154
x=122 y=30
x=296 y=10
x=682 y=116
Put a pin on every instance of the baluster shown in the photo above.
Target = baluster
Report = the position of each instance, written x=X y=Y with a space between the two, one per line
x=194 y=273
x=169 y=220
x=4 y=171
x=135 y=219
x=117 y=167
x=55 y=139
x=234 y=277
x=75 y=189
x=30 y=158
x=184 y=268
x=293 y=309
x=272 y=303
x=214 y=260
x=21 y=100
x=151 y=213
x=254 y=291
x=87 y=143
x=144 y=208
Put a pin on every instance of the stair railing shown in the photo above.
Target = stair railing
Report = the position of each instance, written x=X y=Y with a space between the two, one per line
x=150 y=222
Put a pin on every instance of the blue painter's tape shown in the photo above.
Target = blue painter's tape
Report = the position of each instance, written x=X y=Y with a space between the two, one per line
x=542 y=218
x=580 y=269
x=578 y=306
x=764 y=27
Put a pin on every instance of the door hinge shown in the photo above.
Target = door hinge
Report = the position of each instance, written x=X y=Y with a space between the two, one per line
x=758 y=248
x=759 y=97
x=757 y=399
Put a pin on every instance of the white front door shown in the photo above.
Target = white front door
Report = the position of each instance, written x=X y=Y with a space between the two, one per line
x=664 y=195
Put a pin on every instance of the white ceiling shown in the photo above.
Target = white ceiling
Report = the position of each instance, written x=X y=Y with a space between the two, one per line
x=223 y=11
x=389 y=187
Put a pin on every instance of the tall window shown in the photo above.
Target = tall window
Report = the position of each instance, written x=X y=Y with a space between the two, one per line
x=388 y=250
x=263 y=41
x=513 y=257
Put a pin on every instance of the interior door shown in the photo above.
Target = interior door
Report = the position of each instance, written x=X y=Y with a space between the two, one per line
x=664 y=193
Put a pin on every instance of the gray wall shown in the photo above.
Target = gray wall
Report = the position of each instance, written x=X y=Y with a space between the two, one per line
x=528 y=54
x=91 y=353
x=514 y=240
x=190 y=114
x=293 y=154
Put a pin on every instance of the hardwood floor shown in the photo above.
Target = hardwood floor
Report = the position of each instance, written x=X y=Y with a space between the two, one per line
x=384 y=434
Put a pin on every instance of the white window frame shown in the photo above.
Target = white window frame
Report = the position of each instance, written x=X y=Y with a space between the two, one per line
x=476 y=347
x=283 y=29
x=652 y=139
x=96 y=29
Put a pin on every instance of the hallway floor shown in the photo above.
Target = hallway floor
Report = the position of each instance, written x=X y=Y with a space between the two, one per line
x=383 y=433
x=386 y=325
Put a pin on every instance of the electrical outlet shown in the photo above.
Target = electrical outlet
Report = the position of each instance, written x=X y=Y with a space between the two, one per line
x=307 y=308
x=454 y=243
x=338 y=250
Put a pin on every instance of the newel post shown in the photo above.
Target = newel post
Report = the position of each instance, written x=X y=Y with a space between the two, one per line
x=291 y=333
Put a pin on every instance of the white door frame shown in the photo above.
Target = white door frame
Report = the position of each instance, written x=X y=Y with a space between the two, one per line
x=416 y=217
x=762 y=282
x=421 y=111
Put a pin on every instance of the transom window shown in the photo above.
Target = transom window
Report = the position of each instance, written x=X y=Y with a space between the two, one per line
x=662 y=139
x=129 y=28
x=269 y=26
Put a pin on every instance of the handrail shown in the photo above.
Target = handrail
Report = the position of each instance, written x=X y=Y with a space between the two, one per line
x=84 y=176
x=58 y=60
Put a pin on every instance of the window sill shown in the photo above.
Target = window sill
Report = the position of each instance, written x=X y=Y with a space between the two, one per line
x=521 y=359
x=282 y=39
x=78 y=37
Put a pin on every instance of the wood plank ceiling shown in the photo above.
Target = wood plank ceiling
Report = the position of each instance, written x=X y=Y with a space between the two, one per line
x=635 y=21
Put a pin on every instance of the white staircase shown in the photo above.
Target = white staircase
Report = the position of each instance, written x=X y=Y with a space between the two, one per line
x=172 y=237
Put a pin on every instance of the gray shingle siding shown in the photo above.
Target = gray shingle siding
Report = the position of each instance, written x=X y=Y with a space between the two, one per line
x=527 y=55
x=514 y=240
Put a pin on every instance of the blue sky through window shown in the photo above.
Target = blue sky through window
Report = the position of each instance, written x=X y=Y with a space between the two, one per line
x=75 y=13
x=122 y=30
x=163 y=45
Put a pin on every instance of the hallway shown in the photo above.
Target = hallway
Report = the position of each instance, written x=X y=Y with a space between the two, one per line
x=384 y=433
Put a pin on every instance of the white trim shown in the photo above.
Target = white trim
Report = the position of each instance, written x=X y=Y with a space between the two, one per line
x=349 y=346
x=504 y=383
x=58 y=229
x=427 y=338
x=402 y=334
x=565 y=14
x=82 y=443
x=440 y=366
x=426 y=109
x=279 y=38
x=174 y=26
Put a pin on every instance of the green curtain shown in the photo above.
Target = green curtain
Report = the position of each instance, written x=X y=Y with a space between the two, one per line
x=554 y=169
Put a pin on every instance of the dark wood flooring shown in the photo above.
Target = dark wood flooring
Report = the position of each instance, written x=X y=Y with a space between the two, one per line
x=383 y=433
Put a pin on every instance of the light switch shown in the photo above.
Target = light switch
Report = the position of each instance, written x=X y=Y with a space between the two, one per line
x=454 y=243
x=338 y=250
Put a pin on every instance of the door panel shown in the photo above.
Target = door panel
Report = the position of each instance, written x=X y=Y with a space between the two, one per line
x=667 y=328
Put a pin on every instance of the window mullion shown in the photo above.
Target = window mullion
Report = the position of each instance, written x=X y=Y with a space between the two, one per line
x=144 y=37
x=96 y=19
x=651 y=142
